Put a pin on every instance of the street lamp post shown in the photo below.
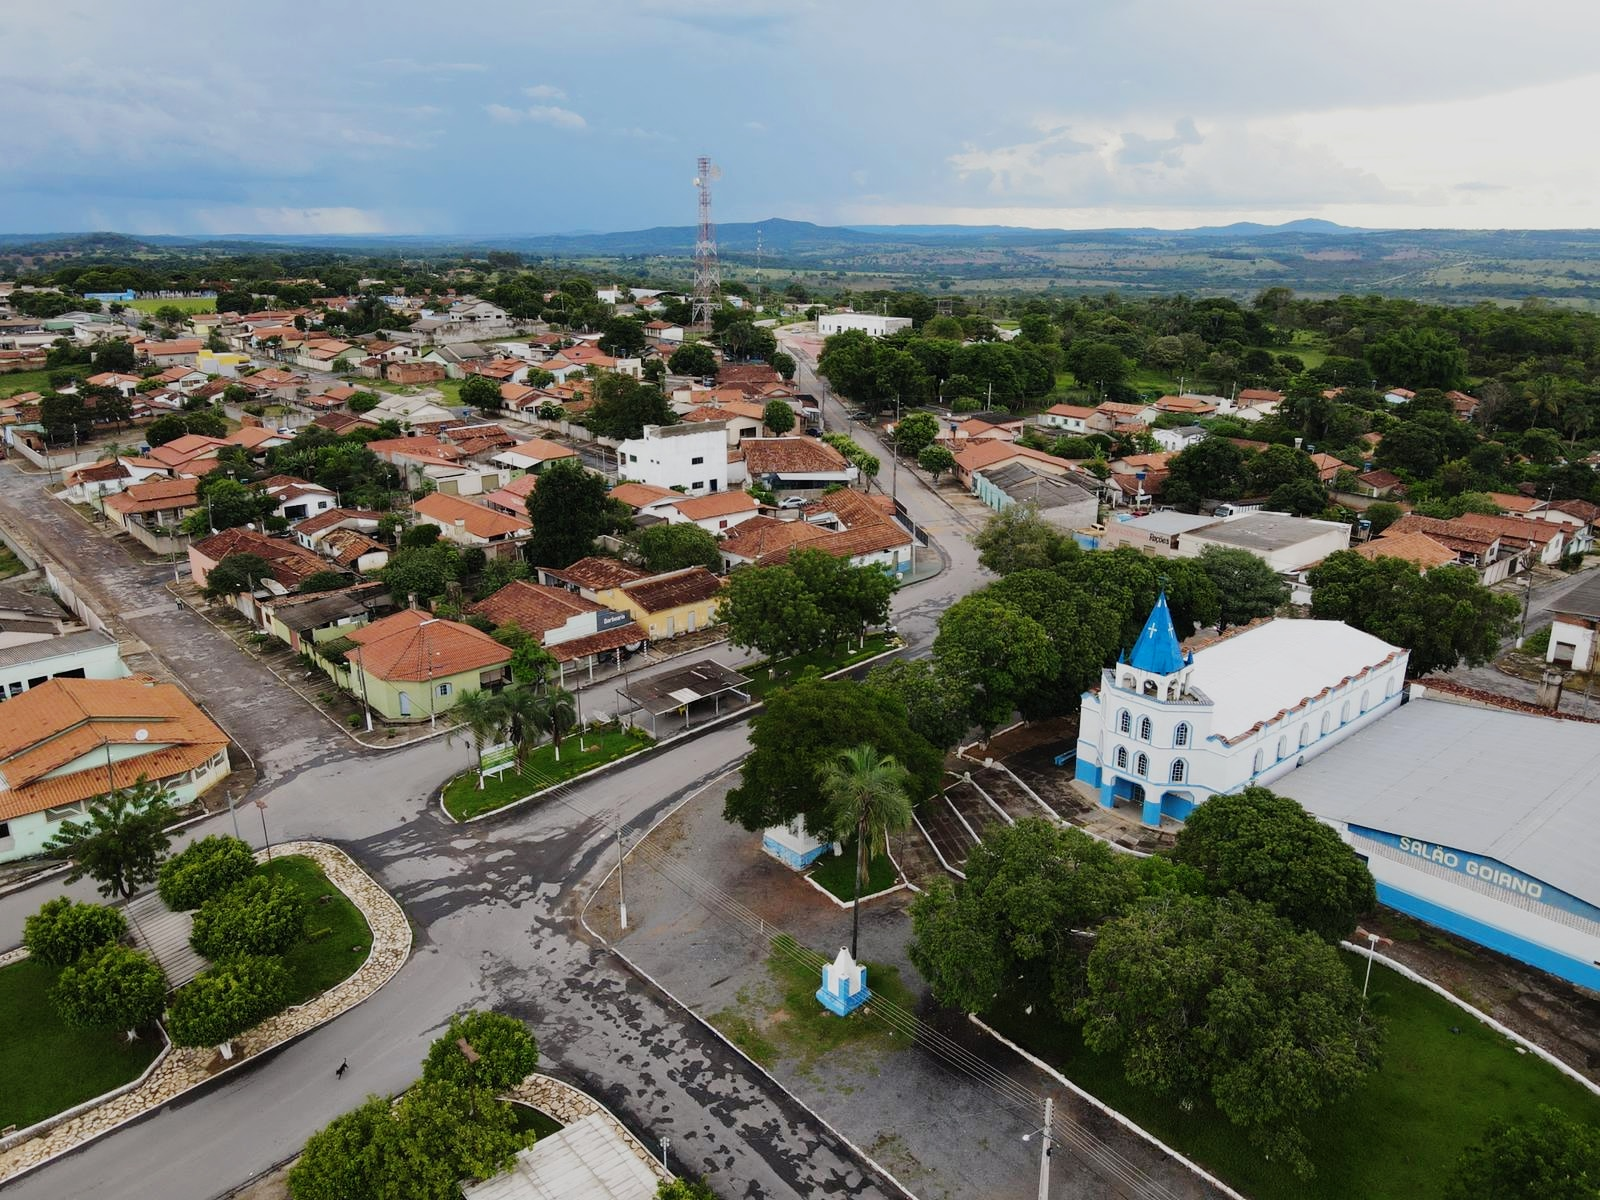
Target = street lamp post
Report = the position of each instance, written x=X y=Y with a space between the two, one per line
x=265 y=836
x=1045 y=1147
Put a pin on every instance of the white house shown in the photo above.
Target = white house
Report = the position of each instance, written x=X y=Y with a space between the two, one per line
x=692 y=457
x=1180 y=438
x=1166 y=731
x=84 y=654
x=1072 y=418
x=869 y=323
x=1572 y=631
x=716 y=514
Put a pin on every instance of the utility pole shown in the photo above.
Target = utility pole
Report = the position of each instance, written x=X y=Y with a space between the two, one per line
x=622 y=899
x=1045 y=1148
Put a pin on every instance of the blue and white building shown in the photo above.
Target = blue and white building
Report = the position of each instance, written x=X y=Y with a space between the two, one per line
x=1476 y=820
x=1167 y=730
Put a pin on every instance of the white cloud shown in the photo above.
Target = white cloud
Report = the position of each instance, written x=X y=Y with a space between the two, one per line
x=246 y=219
x=441 y=68
x=544 y=91
x=562 y=118
x=506 y=116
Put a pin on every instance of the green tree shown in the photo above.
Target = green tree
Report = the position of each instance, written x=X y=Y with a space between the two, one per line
x=1263 y=846
x=1300 y=498
x=422 y=571
x=623 y=406
x=480 y=392
x=1382 y=515
x=1129 y=582
x=570 y=508
x=803 y=728
x=364 y=402
x=936 y=460
x=1019 y=539
x=450 y=1133
x=1548 y=1156
x=1011 y=925
x=865 y=791
x=1097 y=364
x=236 y=573
x=482 y=716
x=771 y=610
x=673 y=547
x=1416 y=449
x=204 y=869
x=224 y=1000
x=782 y=363
x=1247 y=586
x=1000 y=654
x=623 y=338
x=778 y=417
x=693 y=358
x=324 y=581
x=849 y=598
x=1419 y=358
x=555 y=714
x=225 y=503
x=122 y=843
x=682 y=1188
x=113 y=987
x=935 y=699
x=1213 y=469
x=117 y=354
x=62 y=931
x=504 y=1049
x=206 y=422
x=1218 y=999
x=1276 y=466
x=915 y=433
x=351 y=1157
x=419 y=536
x=261 y=914
x=1443 y=617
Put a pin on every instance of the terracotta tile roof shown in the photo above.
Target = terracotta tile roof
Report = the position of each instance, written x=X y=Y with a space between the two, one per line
x=660 y=593
x=541 y=450
x=726 y=410
x=477 y=519
x=1513 y=503
x=598 y=643
x=513 y=498
x=347 y=546
x=339 y=422
x=790 y=456
x=112 y=379
x=332 y=517
x=53 y=724
x=1581 y=510
x=1249 y=396
x=425 y=445
x=760 y=537
x=596 y=573
x=535 y=608
x=410 y=646
x=717 y=504
x=254 y=437
x=1185 y=404
x=1415 y=547
x=983 y=454
x=638 y=495
x=291 y=565
x=1117 y=409
x=1521 y=529
x=154 y=495
x=96 y=472
x=1069 y=410
x=1381 y=479
x=1449 y=533
x=176 y=346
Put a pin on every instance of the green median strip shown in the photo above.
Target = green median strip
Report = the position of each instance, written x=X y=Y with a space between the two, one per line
x=464 y=799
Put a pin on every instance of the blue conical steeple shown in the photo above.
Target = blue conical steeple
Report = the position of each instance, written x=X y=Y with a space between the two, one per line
x=1157 y=650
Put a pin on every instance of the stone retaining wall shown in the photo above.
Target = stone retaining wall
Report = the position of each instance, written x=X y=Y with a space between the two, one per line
x=186 y=1068
x=567 y=1104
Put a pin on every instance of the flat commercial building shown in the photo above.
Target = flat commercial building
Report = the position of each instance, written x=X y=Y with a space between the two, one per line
x=1286 y=543
x=870 y=324
x=1477 y=820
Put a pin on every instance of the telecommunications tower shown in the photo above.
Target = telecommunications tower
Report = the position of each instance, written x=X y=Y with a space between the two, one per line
x=707 y=271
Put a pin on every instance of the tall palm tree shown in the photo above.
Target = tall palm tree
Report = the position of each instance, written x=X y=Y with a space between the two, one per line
x=524 y=714
x=559 y=714
x=482 y=716
x=865 y=791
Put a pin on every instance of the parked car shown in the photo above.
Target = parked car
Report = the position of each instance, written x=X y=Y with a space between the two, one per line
x=813 y=431
x=793 y=502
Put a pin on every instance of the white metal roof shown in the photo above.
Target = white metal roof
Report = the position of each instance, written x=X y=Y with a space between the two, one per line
x=1170 y=521
x=1502 y=784
x=588 y=1158
x=1254 y=675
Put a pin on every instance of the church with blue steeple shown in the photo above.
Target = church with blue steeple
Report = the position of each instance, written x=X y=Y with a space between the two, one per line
x=1166 y=730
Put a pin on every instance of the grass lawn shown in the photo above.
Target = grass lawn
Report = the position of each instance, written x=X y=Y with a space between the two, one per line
x=1397 y=1138
x=765 y=676
x=536 y=1121
x=464 y=799
x=319 y=962
x=10 y=564
x=194 y=304
x=782 y=1018
x=16 y=382
x=48 y=1067
x=837 y=873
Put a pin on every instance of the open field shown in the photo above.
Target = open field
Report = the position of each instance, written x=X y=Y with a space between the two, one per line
x=1443 y=1078
x=188 y=305
x=16 y=382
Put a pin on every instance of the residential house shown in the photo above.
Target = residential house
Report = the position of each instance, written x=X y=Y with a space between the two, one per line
x=738 y=419
x=152 y=512
x=1399 y=395
x=716 y=514
x=1517 y=505
x=26 y=617
x=533 y=455
x=66 y=742
x=668 y=605
x=1545 y=541
x=290 y=564
x=1465 y=406
x=1058 y=501
x=426 y=459
x=1159 y=533
x=455 y=358
x=845 y=524
x=580 y=633
x=1286 y=543
x=76 y=654
x=790 y=464
x=664 y=333
x=1477 y=548
x=302 y=621
x=414 y=372
x=648 y=502
x=182 y=378
x=1071 y=418
x=588 y=577
x=983 y=456
x=1379 y=484
x=687 y=456
x=513 y=498
x=1414 y=547
x=180 y=352
x=90 y=482
x=192 y=454
x=871 y=324
x=1188 y=406
x=411 y=667
x=296 y=499
x=1112 y=416
x=1180 y=437
x=1328 y=467
x=1579 y=517
x=126 y=384
x=498 y=534
x=1575 y=620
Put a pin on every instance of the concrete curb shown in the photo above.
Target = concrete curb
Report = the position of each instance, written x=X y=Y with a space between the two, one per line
x=845 y=904
x=383 y=962
x=1138 y=1130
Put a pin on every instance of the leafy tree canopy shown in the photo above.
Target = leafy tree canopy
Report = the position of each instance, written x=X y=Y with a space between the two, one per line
x=62 y=930
x=123 y=841
x=1247 y=586
x=673 y=547
x=570 y=509
x=112 y=987
x=203 y=869
x=1546 y=1155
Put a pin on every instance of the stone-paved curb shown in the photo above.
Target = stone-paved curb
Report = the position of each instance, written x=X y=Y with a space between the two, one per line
x=184 y=1068
x=567 y=1104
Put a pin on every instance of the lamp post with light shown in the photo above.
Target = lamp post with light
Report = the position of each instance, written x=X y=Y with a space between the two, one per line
x=1045 y=1147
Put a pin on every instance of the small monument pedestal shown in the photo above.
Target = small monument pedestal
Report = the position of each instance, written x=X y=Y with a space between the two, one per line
x=844 y=985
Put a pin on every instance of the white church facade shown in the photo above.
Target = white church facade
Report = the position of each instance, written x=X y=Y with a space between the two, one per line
x=1166 y=731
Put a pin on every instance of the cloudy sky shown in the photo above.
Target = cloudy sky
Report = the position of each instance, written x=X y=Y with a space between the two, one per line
x=524 y=117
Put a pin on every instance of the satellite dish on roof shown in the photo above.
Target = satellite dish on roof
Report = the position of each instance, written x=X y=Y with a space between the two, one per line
x=141 y=735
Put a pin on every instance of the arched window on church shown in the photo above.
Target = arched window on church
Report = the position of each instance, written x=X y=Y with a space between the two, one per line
x=1141 y=765
x=1345 y=714
x=1366 y=701
x=1392 y=686
x=1124 y=722
x=1149 y=687
x=1283 y=747
x=1258 y=762
x=1180 y=735
x=1327 y=723
x=1305 y=735
x=1179 y=768
x=1122 y=758
x=1146 y=730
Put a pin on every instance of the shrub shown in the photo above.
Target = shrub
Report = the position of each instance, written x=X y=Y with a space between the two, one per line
x=113 y=987
x=262 y=915
x=62 y=931
x=221 y=1003
x=507 y=1052
x=205 y=869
